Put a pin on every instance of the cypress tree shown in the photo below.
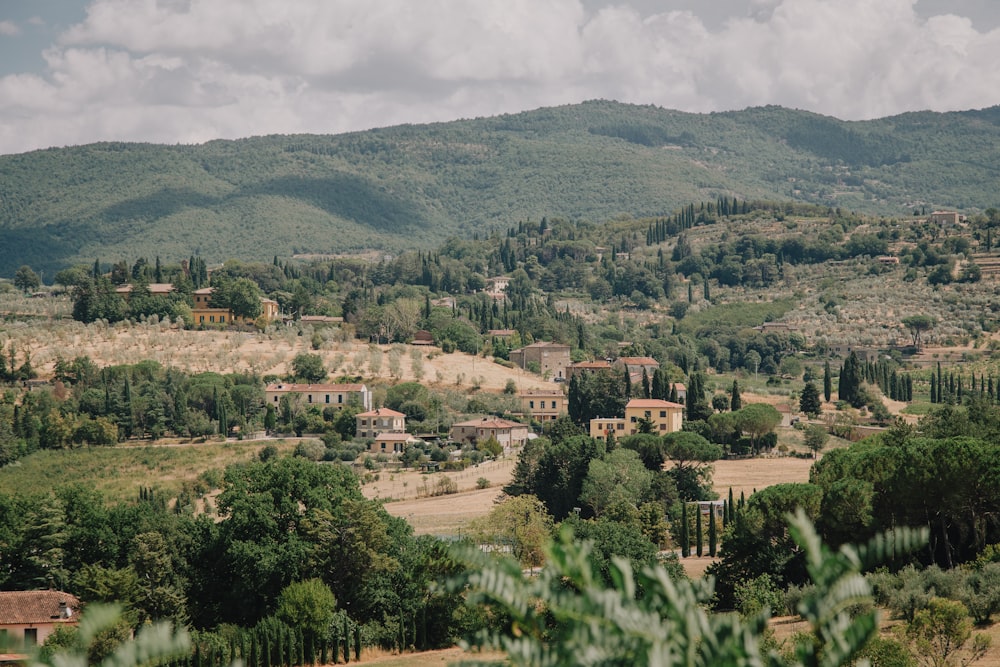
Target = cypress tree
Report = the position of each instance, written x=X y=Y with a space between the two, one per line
x=698 y=530
x=685 y=538
x=732 y=506
x=646 y=388
x=712 y=531
x=934 y=398
x=736 y=402
x=827 y=382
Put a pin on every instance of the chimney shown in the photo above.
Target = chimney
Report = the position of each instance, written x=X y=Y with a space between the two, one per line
x=65 y=611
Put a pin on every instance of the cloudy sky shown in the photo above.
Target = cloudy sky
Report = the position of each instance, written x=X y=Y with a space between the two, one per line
x=186 y=71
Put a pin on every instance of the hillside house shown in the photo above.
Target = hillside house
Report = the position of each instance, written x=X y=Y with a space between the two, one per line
x=636 y=365
x=543 y=405
x=583 y=367
x=944 y=218
x=666 y=417
x=392 y=444
x=27 y=618
x=155 y=289
x=205 y=314
x=336 y=395
x=507 y=433
x=551 y=358
x=380 y=420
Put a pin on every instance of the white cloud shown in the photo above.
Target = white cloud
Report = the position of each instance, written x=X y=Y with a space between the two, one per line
x=9 y=29
x=193 y=70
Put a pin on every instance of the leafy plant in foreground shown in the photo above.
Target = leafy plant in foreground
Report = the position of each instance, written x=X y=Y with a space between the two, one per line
x=568 y=615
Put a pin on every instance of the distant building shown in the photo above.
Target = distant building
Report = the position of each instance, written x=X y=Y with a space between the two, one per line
x=155 y=289
x=636 y=365
x=27 y=618
x=380 y=420
x=543 y=405
x=507 y=433
x=336 y=395
x=392 y=443
x=551 y=358
x=207 y=315
x=665 y=417
x=425 y=338
x=946 y=218
x=583 y=367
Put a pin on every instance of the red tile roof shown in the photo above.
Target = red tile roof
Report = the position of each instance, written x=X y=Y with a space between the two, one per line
x=291 y=386
x=651 y=403
x=495 y=422
x=28 y=607
x=381 y=412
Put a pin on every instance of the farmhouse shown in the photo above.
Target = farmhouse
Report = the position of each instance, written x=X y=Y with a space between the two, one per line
x=378 y=421
x=28 y=617
x=543 y=405
x=583 y=367
x=636 y=365
x=206 y=314
x=507 y=433
x=664 y=417
x=337 y=395
x=551 y=358
x=392 y=443
x=155 y=289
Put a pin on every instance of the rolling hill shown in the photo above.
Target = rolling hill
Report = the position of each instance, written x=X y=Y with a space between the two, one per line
x=416 y=185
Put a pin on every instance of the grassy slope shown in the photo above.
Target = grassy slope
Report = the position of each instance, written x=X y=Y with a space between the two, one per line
x=118 y=472
x=394 y=187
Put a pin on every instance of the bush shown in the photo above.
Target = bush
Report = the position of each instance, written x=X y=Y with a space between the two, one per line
x=482 y=483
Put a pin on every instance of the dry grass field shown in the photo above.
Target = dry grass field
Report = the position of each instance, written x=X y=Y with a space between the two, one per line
x=451 y=513
x=262 y=353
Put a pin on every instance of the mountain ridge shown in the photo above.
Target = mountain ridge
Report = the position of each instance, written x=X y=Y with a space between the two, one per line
x=416 y=185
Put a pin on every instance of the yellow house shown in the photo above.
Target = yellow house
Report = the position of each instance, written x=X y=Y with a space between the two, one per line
x=380 y=420
x=205 y=315
x=666 y=417
x=543 y=405
x=324 y=395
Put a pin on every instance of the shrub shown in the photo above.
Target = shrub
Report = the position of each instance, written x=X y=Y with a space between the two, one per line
x=482 y=483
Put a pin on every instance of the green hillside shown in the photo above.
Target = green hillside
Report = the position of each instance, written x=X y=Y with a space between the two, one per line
x=416 y=185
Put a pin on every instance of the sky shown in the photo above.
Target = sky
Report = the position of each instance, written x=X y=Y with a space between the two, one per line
x=188 y=71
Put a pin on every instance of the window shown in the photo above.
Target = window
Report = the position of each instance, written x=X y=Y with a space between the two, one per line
x=620 y=427
x=663 y=413
x=531 y=404
x=310 y=398
x=222 y=318
x=275 y=399
x=211 y=318
x=340 y=398
x=647 y=413
x=30 y=636
x=633 y=419
x=201 y=319
x=663 y=427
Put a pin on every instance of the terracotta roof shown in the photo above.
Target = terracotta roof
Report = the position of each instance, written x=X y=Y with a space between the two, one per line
x=394 y=437
x=154 y=288
x=590 y=364
x=547 y=393
x=204 y=290
x=494 y=422
x=291 y=386
x=30 y=607
x=639 y=361
x=381 y=412
x=651 y=403
x=545 y=343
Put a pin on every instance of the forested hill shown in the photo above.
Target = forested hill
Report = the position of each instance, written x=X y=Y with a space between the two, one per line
x=418 y=184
